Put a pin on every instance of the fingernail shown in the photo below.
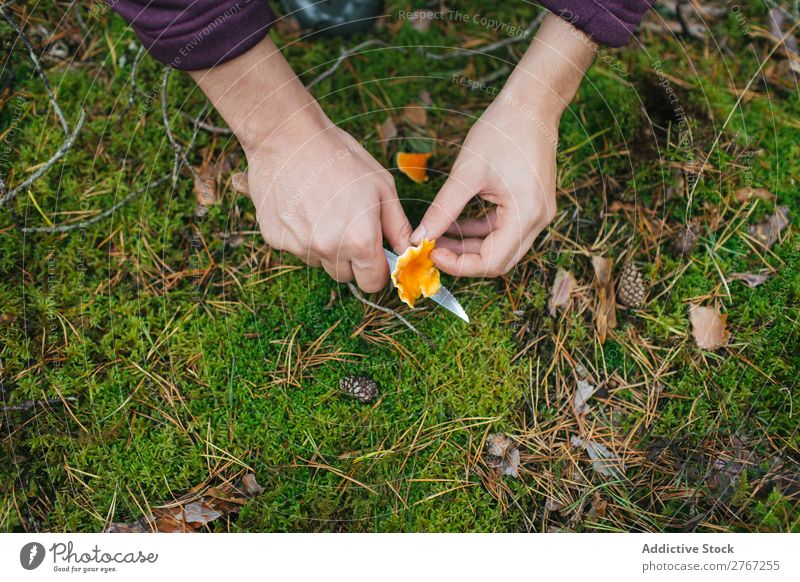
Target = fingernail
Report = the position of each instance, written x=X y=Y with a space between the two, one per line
x=418 y=234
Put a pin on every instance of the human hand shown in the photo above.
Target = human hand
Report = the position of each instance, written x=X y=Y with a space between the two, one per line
x=509 y=160
x=318 y=193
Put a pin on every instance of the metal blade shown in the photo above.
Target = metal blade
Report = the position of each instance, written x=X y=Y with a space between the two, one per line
x=443 y=297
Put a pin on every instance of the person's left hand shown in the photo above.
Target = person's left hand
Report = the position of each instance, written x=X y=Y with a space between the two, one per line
x=509 y=160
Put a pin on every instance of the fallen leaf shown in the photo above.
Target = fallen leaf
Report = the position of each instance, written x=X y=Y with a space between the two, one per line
x=7 y=318
x=191 y=516
x=708 y=327
x=425 y=97
x=388 y=130
x=250 y=486
x=745 y=194
x=684 y=239
x=751 y=279
x=605 y=311
x=502 y=454
x=553 y=504
x=599 y=454
x=583 y=392
x=200 y=512
x=599 y=506
x=563 y=284
x=769 y=231
x=207 y=176
x=421 y=20
x=415 y=115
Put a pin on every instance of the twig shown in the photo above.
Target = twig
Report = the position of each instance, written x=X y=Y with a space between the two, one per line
x=8 y=195
x=28 y=404
x=134 y=74
x=460 y=52
x=342 y=57
x=207 y=126
x=685 y=26
x=94 y=219
x=354 y=290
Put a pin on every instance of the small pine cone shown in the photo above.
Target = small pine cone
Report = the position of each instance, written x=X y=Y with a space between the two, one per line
x=362 y=388
x=632 y=287
x=684 y=239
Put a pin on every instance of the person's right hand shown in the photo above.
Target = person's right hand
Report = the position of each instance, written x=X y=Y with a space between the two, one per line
x=321 y=196
x=318 y=193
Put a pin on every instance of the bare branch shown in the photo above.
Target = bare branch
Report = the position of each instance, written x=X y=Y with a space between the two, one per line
x=94 y=219
x=354 y=290
x=342 y=58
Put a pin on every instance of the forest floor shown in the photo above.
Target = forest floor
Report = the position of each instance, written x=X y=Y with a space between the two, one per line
x=156 y=355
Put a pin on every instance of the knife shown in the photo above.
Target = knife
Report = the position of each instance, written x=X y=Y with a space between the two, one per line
x=443 y=297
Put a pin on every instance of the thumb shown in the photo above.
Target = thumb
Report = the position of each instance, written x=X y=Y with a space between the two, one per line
x=445 y=209
x=394 y=223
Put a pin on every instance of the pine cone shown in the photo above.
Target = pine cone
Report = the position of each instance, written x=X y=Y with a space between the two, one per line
x=362 y=388
x=632 y=287
x=684 y=239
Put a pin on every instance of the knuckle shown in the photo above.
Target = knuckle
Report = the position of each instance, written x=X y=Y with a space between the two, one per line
x=325 y=245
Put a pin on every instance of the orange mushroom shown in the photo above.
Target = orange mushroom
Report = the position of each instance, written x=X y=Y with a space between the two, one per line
x=415 y=166
x=415 y=274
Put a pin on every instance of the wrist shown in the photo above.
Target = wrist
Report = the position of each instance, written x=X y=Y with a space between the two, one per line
x=261 y=98
x=550 y=72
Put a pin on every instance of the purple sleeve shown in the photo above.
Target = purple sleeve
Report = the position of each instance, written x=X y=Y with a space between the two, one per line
x=610 y=22
x=196 y=34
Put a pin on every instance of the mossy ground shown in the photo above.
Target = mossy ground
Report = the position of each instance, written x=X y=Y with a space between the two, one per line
x=183 y=357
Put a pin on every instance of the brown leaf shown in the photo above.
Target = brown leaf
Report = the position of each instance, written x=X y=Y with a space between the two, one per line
x=684 y=239
x=250 y=486
x=421 y=20
x=563 y=284
x=415 y=115
x=7 y=318
x=745 y=194
x=602 y=458
x=605 y=311
x=502 y=454
x=425 y=97
x=190 y=516
x=583 y=392
x=206 y=177
x=388 y=130
x=769 y=231
x=708 y=327
x=751 y=279
x=599 y=506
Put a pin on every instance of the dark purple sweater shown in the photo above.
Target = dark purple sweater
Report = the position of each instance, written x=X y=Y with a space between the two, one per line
x=198 y=34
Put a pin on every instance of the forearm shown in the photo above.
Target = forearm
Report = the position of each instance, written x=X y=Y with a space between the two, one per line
x=260 y=97
x=552 y=68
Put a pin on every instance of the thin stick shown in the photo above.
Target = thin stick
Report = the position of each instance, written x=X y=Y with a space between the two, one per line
x=342 y=57
x=90 y=221
x=460 y=52
x=354 y=290
x=8 y=195
x=29 y=404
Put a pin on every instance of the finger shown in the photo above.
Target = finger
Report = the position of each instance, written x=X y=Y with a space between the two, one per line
x=373 y=277
x=497 y=251
x=444 y=210
x=460 y=245
x=474 y=227
x=340 y=271
x=394 y=222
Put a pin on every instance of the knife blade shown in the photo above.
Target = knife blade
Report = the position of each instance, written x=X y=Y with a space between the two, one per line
x=443 y=297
